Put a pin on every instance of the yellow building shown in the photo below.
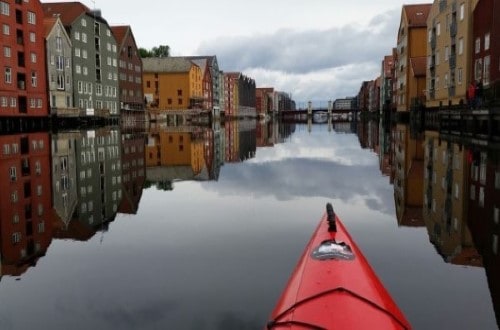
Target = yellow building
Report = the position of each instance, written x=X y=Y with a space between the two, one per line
x=172 y=83
x=446 y=198
x=449 y=51
x=408 y=176
x=411 y=55
x=170 y=149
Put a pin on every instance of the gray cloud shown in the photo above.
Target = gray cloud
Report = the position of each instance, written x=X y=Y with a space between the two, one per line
x=309 y=51
x=313 y=64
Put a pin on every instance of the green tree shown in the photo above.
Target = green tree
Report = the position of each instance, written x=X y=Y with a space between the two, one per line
x=160 y=51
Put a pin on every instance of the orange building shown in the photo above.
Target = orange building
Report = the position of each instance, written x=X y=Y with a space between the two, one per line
x=411 y=56
x=172 y=83
x=174 y=149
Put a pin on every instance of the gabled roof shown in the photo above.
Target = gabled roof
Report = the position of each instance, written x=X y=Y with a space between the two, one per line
x=69 y=11
x=202 y=63
x=166 y=64
x=419 y=66
x=417 y=14
x=120 y=33
x=48 y=25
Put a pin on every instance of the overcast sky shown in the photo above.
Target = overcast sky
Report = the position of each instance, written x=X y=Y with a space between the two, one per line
x=314 y=49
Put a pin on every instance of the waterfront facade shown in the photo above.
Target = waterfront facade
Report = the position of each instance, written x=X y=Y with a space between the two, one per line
x=23 y=87
x=129 y=70
x=411 y=49
x=207 y=83
x=172 y=83
x=239 y=95
x=217 y=79
x=486 y=54
x=95 y=63
x=386 y=82
x=264 y=100
x=59 y=69
x=449 y=50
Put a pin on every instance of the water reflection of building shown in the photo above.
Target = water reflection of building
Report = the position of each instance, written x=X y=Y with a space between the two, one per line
x=175 y=154
x=483 y=176
x=241 y=143
x=445 y=201
x=64 y=177
x=25 y=201
x=133 y=171
x=215 y=141
x=98 y=183
x=385 y=162
x=368 y=134
x=263 y=134
x=408 y=177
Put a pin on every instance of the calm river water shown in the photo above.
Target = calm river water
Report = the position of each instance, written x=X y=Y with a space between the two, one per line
x=200 y=228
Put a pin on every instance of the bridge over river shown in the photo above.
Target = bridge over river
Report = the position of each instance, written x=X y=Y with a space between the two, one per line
x=320 y=115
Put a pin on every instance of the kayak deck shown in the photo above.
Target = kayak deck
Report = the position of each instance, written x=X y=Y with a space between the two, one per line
x=334 y=287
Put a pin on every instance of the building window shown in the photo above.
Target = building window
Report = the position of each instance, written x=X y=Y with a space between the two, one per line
x=60 y=82
x=33 y=79
x=33 y=57
x=14 y=197
x=84 y=22
x=31 y=18
x=486 y=71
x=32 y=37
x=460 y=46
x=12 y=172
x=7 y=51
x=8 y=75
x=5 y=8
x=16 y=237
x=438 y=29
x=496 y=215
x=487 y=41
x=460 y=76
x=497 y=180
x=41 y=227
x=462 y=11
x=478 y=45
x=6 y=29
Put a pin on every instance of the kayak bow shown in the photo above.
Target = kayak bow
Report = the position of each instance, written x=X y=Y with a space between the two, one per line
x=334 y=287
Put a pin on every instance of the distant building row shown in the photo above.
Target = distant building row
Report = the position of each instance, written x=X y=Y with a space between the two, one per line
x=447 y=54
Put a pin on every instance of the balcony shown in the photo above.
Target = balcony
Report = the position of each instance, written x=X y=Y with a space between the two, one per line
x=453 y=29
x=433 y=41
x=453 y=61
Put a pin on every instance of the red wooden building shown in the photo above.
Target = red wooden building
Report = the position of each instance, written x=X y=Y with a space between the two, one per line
x=23 y=86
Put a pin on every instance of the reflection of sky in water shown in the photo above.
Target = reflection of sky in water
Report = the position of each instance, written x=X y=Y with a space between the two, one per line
x=313 y=165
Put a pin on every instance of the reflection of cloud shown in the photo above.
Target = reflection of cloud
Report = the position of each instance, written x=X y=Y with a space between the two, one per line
x=135 y=317
x=293 y=178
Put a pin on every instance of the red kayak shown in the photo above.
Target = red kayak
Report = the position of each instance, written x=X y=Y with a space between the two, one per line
x=334 y=287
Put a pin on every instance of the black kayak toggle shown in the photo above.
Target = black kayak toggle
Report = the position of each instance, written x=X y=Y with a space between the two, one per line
x=332 y=225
